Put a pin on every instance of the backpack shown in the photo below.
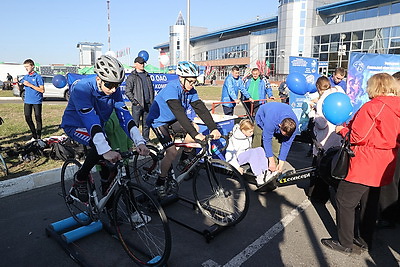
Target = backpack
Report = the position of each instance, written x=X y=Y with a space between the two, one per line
x=61 y=151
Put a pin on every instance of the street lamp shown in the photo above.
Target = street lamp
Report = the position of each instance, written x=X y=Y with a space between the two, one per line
x=342 y=49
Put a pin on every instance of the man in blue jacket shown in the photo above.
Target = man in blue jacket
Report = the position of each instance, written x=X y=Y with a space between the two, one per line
x=279 y=126
x=232 y=85
x=337 y=78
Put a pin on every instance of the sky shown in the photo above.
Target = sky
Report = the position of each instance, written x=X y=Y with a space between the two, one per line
x=49 y=30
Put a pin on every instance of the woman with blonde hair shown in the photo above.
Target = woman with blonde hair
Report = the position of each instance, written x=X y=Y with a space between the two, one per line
x=374 y=137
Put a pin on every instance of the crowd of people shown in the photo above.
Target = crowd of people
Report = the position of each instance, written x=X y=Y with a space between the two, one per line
x=368 y=194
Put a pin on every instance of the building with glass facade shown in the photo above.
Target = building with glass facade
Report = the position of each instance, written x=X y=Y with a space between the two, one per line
x=326 y=30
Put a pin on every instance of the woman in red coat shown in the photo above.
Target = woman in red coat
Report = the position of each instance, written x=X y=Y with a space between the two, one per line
x=375 y=138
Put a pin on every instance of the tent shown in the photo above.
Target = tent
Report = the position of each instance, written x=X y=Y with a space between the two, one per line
x=152 y=69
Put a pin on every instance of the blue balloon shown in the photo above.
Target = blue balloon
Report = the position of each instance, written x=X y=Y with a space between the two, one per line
x=312 y=88
x=337 y=108
x=297 y=83
x=144 y=55
x=59 y=81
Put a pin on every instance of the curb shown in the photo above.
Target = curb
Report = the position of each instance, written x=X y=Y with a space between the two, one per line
x=29 y=182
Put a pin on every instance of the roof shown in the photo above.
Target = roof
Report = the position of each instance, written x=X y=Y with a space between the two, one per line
x=344 y=6
x=270 y=22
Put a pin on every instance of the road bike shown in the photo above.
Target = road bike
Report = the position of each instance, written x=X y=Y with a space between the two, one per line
x=219 y=190
x=139 y=220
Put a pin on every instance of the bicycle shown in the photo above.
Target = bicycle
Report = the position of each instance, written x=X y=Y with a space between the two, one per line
x=222 y=195
x=3 y=165
x=139 y=220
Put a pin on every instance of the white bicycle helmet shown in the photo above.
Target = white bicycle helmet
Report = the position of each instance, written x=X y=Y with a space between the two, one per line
x=187 y=69
x=109 y=69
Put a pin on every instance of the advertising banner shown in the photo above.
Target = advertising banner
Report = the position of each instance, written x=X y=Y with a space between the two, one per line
x=361 y=67
x=309 y=68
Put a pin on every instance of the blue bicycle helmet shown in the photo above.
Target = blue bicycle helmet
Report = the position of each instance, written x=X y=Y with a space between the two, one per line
x=187 y=69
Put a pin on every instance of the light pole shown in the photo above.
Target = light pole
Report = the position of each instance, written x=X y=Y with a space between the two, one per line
x=188 y=30
x=109 y=26
x=342 y=49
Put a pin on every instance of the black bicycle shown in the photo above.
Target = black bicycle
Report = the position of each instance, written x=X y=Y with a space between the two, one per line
x=220 y=192
x=138 y=218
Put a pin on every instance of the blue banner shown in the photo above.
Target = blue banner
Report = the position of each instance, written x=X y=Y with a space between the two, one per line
x=361 y=67
x=309 y=68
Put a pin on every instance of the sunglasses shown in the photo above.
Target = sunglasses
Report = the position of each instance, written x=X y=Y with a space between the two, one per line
x=191 y=82
x=111 y=85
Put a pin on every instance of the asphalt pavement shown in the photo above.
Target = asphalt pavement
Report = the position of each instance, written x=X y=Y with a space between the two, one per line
x=282 y=228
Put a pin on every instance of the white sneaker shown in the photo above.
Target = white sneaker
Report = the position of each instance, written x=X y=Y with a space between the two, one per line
x=140 y=218
x=270 y=176
x=30 y=141
x=260 y=179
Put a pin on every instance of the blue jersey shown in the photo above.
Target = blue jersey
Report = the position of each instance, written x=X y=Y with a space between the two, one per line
x=88 y=107
x=31 y=95
x=268 y=118
x=160 y=113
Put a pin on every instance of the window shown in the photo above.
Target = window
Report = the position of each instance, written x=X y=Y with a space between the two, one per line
x=384 y=10
x=335 y=37
x=324 y=39
x=370 y=34
x=370 y=13
x=356 y=36
x=356 y=45
x=395 y=31
x=395 y=42
x=395 y=8
x=324 y=48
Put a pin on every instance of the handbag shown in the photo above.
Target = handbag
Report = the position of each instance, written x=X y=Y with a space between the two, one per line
x=341 y=161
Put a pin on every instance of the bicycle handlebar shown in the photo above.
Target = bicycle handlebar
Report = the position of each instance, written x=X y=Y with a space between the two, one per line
x=208 y=138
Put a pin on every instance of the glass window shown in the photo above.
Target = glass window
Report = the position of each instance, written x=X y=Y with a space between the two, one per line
x=334 y=47
x=323 y=57
x=356 y=36
x=384 y=10
x=348 y=36
x=370 y=34
x=395 y=42
x=356 y=45
x=386 y=43
x=349 y=16
x=333 y=56
x=316 y=55
x=317 y=39
x=395 y=8
x=302 y=15
x=394 y=51
x=367 y=44
x=335 y=37
x=395 y=31
x=272 y=45
x=370 y=13
x=386 y=32
x=302 y=23
x=301 y=31
x=316 y=49
x=324 y=39
x=324 y=48
x=267 y=46
x=359 y=14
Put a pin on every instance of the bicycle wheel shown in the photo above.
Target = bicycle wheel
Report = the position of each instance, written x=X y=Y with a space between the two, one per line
x=78 y=209
x=3 y=167
x=221 y=193
x=141 y=225
x=146 y=168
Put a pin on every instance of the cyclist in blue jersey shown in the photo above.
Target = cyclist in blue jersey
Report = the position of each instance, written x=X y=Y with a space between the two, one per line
x=168 y=112
x=91 y=103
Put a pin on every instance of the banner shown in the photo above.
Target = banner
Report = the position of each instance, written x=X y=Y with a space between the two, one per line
x=309 y=68
x=361 y=67
x=160 y=80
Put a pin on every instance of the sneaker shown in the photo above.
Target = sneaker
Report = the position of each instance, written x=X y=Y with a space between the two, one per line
x=140 y=218
x=265 y=177
x=30 y=140
x=80 y=190
x=161 y=191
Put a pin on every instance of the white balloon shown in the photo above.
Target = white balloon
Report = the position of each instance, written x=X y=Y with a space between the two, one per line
x=164 y=59
x=111 y=54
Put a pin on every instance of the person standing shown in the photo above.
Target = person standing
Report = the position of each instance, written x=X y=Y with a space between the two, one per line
x=34 y=89
x=374 y=138
x=9 y=77
x=139 y=89
x=230 y=90
x=259 y=88
x=337 y=78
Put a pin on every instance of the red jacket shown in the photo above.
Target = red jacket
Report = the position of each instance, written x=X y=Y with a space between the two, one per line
x=375 y=139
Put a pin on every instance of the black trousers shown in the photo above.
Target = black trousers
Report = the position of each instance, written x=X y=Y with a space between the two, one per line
x=139 y=115
x=348 y=196
x=37 y=108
